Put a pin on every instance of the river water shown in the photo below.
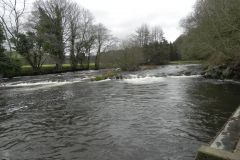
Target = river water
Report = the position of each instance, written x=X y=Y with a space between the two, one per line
x=158 y=114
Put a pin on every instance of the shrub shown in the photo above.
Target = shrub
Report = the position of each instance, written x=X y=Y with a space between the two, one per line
x=111 y=74
x=9 y=66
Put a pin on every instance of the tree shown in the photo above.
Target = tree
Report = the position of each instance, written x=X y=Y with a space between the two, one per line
x=52 y=22
x=173 y=55
x=131 y=58
x=86 y=36
x=157 y=53
x=8 y=66
x=80 y=53
x=142 y=35
x=213 y=29
x=157 y=34
x=212 y=33
x=155 y=48
x=30 y=47
x=103 y=40
x=74 y=13
x=10 y=15
x=2 y=39
x=89 y=40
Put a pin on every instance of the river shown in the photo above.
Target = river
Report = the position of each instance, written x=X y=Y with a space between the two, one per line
x=158 y=114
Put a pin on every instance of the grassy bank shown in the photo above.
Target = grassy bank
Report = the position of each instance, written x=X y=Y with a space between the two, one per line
x=26 y=70
x=186 y=62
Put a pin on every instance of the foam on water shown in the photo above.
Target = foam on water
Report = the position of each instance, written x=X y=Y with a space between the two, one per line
x=185 y=76
x=16 y=109
x=144 y=80
x=134 y=79
x=230 y=81
x=29 y=86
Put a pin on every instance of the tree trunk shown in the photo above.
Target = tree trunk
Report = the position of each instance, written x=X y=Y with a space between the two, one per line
x=97 y=65
x=88 y=62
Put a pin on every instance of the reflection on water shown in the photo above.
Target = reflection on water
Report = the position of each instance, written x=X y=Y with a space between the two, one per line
x=150 y=115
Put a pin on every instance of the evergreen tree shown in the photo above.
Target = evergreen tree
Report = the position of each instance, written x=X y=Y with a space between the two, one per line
x=157 y=53
x=2 y=38
x=51 y=30
x=8 y=66
x=173 y=52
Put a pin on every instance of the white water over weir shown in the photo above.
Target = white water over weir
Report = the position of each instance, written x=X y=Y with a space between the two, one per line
x=164 y=113
x=134 y=79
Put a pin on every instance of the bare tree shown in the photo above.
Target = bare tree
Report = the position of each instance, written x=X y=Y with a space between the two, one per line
x=86 y=37
x=142 y=36
x=103 y=40
x=11 y=13
x=156 y=34
x=74 y=22
x=89 y=42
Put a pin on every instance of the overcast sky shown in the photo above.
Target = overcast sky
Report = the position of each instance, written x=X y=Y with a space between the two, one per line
x=122 y=17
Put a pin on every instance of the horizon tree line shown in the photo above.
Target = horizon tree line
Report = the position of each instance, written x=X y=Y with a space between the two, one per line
x=146 y=46
x=59 y=28
x=55 y=28
x=212 y=33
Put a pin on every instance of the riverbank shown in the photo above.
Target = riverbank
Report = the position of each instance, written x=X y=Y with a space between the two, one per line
x=229 y=70
x=224 y=71
x=26 y=70
x=186 y=62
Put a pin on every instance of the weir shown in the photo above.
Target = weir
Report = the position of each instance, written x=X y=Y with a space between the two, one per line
x=226 y=145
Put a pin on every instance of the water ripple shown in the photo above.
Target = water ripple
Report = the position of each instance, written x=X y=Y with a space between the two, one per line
x=147 y=115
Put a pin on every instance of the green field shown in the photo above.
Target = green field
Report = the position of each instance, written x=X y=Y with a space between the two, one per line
x=26 y=70
x=186 y=62
x=52 y=66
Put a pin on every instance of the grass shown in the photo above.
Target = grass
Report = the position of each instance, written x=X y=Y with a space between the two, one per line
x=26 y=70
x=92 y=65
x=186 y=62
x=51 y=66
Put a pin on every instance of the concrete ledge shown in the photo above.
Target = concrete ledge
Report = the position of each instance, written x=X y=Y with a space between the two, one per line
x=238 y=147
x=226 y=145
x=208 y=153
x=229 y=136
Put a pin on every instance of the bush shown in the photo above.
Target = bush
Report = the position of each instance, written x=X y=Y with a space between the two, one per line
x=9 y=66
x=131 y=59
x=128 y=59
x=157 y=53
x=110 y=74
